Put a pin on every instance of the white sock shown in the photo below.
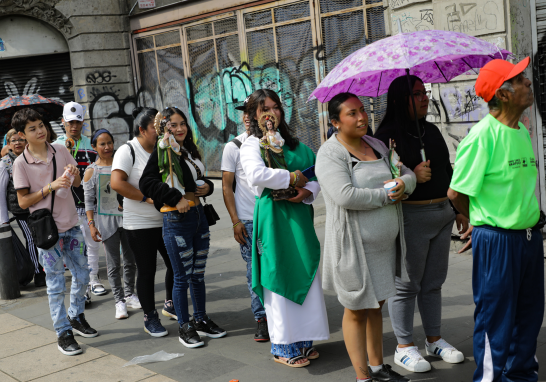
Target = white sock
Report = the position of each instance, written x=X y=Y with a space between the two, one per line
x=375 y=369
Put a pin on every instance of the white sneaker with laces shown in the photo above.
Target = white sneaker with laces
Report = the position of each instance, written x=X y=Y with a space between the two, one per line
x=410 y=359
x=121 y=310
x=441 y=349
x=96 y=286
x=133 y=302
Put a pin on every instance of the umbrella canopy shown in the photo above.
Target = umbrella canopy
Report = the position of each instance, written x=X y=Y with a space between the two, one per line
x=49 y=108
x=434 y=56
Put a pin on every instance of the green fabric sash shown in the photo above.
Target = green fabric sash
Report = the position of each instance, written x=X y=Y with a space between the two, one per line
x=163 y=162
x=289 y=250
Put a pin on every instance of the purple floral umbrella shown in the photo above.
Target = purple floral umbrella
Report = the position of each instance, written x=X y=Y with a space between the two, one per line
x=434 y=56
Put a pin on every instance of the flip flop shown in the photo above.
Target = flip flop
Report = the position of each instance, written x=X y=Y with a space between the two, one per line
x=307 y=353
x=292 y=361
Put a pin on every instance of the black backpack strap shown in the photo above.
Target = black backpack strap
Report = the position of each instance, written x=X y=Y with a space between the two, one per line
x=237 y=142
x=132 y=151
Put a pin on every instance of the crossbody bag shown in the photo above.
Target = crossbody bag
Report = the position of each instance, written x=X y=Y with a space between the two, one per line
x=41 y=223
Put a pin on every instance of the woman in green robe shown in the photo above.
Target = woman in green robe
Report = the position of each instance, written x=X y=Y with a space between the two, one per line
x=286 y=252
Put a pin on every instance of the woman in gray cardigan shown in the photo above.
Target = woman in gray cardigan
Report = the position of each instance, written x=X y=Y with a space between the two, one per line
x=364 y=246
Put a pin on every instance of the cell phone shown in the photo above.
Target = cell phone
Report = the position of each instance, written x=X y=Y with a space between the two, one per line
x=310 y=172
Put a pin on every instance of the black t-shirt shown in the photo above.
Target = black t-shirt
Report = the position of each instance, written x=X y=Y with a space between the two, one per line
x=435 y=150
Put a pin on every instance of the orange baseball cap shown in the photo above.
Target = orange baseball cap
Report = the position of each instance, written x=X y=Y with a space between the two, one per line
x=495 y=73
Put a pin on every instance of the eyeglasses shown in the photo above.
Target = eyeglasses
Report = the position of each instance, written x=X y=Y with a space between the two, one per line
x=420 y=95
x=17 y=140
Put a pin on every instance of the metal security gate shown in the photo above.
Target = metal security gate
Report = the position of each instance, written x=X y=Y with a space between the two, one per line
x=209 y=67
x=48 y=75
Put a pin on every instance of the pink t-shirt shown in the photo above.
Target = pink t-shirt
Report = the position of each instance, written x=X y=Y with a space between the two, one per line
x=36 y=174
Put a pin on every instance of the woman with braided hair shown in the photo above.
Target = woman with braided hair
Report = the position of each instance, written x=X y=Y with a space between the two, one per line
x=173 y=177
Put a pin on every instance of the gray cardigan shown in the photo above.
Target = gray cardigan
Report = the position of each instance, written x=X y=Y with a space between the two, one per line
x=344 y=267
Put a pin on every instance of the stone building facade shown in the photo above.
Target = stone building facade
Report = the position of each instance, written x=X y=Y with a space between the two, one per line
x=206 y=56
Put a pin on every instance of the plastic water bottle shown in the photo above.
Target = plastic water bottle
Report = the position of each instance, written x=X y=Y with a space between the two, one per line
x=63 y=192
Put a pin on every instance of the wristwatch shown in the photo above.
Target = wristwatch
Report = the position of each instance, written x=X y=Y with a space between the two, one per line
x=143 y=199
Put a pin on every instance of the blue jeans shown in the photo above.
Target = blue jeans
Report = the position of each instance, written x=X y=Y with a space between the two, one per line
x=187 y=239
x=246 y=252
x=71 y=246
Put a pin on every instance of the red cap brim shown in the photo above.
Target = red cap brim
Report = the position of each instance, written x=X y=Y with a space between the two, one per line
x=519 y=68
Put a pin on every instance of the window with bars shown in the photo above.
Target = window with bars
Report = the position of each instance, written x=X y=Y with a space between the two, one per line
x=211 y=66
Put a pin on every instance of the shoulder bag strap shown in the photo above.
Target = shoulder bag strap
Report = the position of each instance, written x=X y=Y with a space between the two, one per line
x=54 y=177
x=237 y=142
x=197 y=169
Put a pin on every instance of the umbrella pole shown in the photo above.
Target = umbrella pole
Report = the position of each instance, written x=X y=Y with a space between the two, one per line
x=423 y=156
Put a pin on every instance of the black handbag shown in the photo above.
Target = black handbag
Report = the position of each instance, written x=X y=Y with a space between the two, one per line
x=208 y=209
x=41 y=223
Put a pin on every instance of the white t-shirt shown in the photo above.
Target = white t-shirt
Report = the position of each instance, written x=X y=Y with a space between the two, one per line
x=136 y=215
x=244 y=197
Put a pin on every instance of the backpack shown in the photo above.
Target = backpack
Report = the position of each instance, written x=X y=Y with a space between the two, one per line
x=238 y=143
x=119 y=196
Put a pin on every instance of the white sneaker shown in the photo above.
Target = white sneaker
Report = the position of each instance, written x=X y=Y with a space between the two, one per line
x=410 y=359
x=133 y=302
x=87 y=296
x=96 y=286
x=121 y=310
x=445 y=351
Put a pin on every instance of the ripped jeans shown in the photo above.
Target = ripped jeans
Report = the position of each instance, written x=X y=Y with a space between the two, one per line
x=187 y=238
x=71 y=246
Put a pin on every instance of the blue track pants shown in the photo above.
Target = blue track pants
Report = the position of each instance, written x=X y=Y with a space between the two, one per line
x=508 y=288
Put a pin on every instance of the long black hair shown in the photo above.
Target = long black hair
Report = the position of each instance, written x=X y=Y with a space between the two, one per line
x=188 y=143
x=256 y=101
x=398 y=117
x=143 y=117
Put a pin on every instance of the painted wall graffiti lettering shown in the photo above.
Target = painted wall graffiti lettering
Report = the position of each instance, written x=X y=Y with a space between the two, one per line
x=99 y=77
x=50 y=77
x=414 y=18
x=461 y=103
x=473 y=18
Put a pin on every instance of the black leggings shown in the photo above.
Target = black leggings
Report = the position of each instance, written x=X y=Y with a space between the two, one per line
x=145 y=243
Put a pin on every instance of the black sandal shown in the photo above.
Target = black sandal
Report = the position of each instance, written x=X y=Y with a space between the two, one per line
x=291 y=362
x=308 y=351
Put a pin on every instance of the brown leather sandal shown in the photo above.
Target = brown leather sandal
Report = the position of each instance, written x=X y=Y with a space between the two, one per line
x=291 y=362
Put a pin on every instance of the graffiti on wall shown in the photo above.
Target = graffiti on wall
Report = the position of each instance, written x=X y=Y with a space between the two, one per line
x=415 y=18
x=474 y=18
x=51 y=78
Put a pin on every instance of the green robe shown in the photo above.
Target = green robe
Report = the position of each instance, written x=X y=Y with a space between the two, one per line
x=289 y=253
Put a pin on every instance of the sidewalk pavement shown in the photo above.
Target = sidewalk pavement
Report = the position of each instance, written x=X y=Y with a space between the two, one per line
x=29 y=350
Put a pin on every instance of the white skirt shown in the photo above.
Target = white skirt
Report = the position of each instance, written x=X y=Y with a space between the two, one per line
x=289 y=322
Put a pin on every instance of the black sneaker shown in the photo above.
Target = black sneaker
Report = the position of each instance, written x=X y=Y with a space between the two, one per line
x=188 y=336
x=67 y=344
x=262 y=333
x=81 y=327
x=387 y=374
x=206 y=327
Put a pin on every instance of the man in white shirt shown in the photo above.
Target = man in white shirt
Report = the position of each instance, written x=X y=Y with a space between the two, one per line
x=240 y=205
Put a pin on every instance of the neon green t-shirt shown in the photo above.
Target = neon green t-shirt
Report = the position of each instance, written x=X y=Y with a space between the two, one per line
x=496 y=168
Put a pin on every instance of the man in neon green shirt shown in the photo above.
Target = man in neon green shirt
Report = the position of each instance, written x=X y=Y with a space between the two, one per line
x=494 y=185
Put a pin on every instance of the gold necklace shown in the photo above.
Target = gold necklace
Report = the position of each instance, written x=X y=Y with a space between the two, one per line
x=352 y=147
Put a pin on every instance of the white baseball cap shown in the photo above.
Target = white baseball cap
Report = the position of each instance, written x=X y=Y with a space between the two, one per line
x=72 y=112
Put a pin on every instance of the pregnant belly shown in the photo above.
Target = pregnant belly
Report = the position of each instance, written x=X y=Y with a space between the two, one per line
x=379 y=228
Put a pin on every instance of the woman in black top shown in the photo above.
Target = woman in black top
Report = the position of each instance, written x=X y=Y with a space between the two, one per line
x=428 y=222
x=185 y=230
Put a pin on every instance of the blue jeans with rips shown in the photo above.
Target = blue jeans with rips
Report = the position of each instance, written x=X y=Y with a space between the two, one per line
x=187 y=239
x=246 y=253
x=71 y=247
